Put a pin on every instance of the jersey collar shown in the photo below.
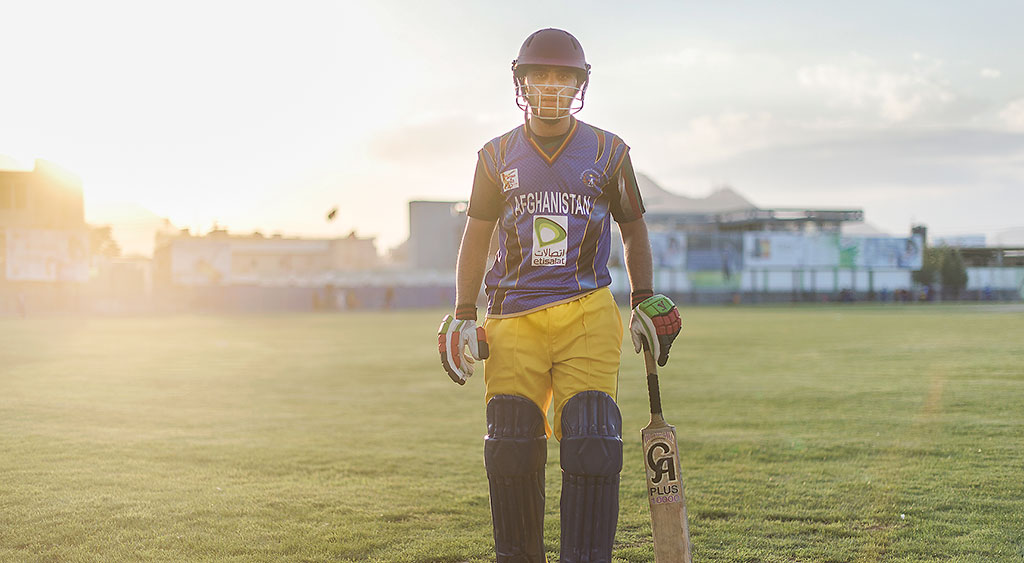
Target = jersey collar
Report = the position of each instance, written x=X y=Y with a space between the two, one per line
x=573 y=125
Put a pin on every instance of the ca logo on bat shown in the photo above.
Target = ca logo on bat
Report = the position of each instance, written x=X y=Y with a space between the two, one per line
x=661 y=461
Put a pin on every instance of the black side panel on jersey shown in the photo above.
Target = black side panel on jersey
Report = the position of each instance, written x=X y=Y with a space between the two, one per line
x=485 y=201
x=624 y=193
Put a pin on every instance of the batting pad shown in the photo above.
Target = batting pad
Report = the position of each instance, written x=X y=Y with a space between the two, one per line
x=515 y=451
x=591 y=455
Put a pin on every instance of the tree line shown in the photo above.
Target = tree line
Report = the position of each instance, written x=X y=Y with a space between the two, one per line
x=943 y=266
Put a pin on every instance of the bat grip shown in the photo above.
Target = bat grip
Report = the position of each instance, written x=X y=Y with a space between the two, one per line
x=653 y=391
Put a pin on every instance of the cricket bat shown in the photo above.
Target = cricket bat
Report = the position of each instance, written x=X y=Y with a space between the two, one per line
x=664 y=483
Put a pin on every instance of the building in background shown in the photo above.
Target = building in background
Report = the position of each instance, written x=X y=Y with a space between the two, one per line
x=725 y=210
x=960 y=241
x=994 y=272
x=220 y=258
x=46 y=197
x=435 y=232
x=254 y=272
x=44 y=241
x=720 y=248
x=724 y=248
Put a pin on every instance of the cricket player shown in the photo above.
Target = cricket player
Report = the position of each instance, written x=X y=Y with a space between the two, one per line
x=553 y=333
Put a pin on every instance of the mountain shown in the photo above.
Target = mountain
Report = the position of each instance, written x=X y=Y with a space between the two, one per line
x=659 y=200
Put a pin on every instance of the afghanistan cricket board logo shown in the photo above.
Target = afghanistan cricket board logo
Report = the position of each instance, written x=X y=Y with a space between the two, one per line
x=591 y=178
x=662 y=472
x=550 y=239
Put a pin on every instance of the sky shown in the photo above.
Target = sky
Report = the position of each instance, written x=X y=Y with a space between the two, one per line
x=264 y=116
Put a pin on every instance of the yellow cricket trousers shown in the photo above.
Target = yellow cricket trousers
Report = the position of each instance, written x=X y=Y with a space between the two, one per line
x=555 y=353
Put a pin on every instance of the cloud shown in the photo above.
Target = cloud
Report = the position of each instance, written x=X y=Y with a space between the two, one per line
x=696 y=57
x=990 y=73
x=947 y=178
x=880 y=153
x=925 y=166
x=432 y=138
x=895 y=96
x=1013 y=115
x=711 y=138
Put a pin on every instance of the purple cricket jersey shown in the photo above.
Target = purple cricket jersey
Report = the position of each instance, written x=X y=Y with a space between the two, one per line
x=555 y=210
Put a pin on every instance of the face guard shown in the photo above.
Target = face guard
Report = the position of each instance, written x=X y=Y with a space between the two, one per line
x=549 y=101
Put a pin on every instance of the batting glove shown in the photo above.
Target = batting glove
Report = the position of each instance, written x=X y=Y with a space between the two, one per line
x=653 y=326
x=453 y=337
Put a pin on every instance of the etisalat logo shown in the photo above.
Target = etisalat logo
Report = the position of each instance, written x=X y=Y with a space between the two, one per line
x=550 y=239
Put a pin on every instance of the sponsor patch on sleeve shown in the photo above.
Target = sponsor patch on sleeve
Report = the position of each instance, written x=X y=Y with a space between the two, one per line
x=510 y=179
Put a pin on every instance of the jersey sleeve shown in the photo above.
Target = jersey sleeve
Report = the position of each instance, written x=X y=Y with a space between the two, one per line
x=486 y=201
x=622 y=189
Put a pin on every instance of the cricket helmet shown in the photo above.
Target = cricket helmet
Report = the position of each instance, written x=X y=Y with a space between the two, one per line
x=551 y=47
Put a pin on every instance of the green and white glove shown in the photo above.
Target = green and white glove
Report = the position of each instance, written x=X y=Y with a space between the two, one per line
x=654 y=324
x=453 y=337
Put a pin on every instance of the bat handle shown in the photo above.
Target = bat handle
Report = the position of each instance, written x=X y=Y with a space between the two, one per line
x=652 y=382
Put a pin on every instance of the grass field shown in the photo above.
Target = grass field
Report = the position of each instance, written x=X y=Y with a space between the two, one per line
x=819 y=434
